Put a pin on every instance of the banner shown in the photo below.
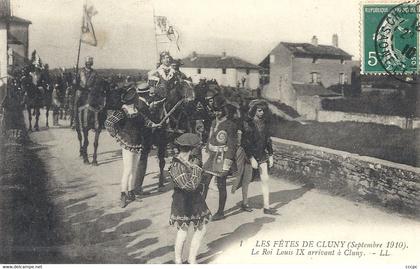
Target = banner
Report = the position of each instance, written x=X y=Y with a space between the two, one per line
x=88 y=33
x=164 y=28
x=161 y=25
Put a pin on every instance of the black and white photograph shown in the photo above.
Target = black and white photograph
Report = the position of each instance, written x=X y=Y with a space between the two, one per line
x=138 y=132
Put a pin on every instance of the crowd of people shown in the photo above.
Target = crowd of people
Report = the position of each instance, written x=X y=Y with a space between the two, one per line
x=237 y=144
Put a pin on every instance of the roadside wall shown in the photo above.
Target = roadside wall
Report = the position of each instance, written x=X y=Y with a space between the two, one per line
x=310 y=108
x=337 y=116
x=389 y=184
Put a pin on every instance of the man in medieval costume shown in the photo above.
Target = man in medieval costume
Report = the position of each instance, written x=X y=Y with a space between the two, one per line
x=156 y=137
x=165 y=74
x=221 y=147
x=85 y=81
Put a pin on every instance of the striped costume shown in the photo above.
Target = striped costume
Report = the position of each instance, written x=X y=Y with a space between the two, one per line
x=188 y=204
x=129 y=128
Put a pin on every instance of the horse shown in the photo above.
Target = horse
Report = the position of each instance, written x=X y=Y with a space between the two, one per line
x=174 y=113
x=33 y=100
x=38 y=94
x=91 y=115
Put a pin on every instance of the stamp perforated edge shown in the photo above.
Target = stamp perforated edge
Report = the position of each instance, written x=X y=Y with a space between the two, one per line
x=361 y=34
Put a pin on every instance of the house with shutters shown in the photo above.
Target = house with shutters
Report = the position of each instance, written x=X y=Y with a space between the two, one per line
x=226 y=70
x=305 y=69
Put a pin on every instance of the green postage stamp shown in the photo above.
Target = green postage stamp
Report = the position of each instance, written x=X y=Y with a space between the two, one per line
x=389 y=38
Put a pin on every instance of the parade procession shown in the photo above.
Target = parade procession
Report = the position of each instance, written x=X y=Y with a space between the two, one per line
x=205 y=136
x=137 y=133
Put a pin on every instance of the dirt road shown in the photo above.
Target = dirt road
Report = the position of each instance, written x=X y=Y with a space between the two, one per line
x=90 y=227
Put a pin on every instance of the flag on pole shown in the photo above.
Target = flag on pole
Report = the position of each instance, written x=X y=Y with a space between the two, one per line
x=165 y=28
x=88 y=33
x=173 y=36
x=161 y=24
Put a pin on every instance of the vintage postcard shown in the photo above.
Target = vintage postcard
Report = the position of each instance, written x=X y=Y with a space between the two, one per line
x=137 y=132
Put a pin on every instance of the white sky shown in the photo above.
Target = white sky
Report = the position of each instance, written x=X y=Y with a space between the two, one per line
x=245 y=28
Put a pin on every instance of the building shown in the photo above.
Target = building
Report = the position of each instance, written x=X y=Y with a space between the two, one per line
x=4 y=14
x=14 y=42
x=18 y=41
x=305 y=69
x=226 y=70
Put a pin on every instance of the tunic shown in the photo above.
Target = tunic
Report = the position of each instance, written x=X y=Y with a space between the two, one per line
x=188 y=204
x=88 y=78
x=222 y=146
x=256 y=140
x=130 y=129
x=167 y=78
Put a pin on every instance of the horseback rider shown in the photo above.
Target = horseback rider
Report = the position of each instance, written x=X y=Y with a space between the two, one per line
x=87 y=75
x=166 y=75
x=36 y=75
x=30 y=83
x=45 y=76
x=85 y=81
x=26 y=79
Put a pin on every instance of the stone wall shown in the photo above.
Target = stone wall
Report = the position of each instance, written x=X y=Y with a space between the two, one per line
x=389 y=184
x=337 y=116
x=308 y=106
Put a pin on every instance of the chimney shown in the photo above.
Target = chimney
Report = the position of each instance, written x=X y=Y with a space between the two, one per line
x=314 y=40
x=224 y=55
x=335 y=40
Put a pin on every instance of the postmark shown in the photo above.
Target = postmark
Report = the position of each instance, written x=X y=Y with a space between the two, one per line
x=390 y=39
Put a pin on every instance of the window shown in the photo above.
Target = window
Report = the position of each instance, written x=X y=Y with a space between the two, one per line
x=342 y=78
x=315 y=77
x=342 y=61
x=224 y=71
x=314 y=60
x=247 y=71
x=199 y=71
x=272 y=58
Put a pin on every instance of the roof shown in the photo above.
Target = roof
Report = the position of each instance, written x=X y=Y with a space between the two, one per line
x=312 y=90
x=216 y=61
x=16 y=20
x=312 y=51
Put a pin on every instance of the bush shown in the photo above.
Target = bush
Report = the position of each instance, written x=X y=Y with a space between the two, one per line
x=375 y=102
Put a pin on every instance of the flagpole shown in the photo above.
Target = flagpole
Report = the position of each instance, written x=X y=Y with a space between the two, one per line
x=156 y=41
x=80 y=46
x=77 y=62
